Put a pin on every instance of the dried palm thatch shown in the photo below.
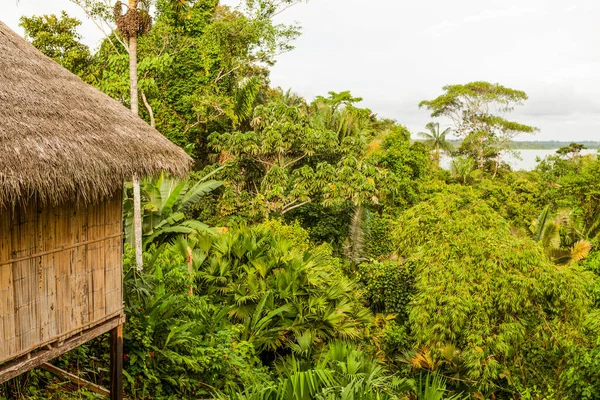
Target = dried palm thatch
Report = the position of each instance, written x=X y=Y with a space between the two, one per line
x=61 y=139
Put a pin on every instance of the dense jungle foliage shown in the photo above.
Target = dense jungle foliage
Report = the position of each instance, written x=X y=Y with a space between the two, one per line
x=318 y=251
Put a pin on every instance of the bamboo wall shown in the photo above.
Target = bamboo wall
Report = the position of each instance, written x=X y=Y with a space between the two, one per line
x=60 y=272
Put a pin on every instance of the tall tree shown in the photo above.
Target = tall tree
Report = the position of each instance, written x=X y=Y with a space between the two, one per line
x=573 y=150
x=297 y=154
x=136 y=21
x=478 y=111
x=436 y=140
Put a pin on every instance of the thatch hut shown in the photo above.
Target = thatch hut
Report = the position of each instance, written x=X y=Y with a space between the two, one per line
x=66 y=150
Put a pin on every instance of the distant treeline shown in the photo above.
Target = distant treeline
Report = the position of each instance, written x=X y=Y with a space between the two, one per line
x=541 y=145
x=551 y=144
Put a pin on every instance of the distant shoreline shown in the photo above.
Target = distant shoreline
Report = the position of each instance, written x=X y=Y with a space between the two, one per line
x=538 y=145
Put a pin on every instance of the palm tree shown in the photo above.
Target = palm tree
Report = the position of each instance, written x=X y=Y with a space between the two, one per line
x=433 y=387
x=436 y=140
x=562 y=237
x=280 y=293
x=131 y=24
x=355 y=243
x=136 y=22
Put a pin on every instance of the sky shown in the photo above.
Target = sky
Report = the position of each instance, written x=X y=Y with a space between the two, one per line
x=395 y=53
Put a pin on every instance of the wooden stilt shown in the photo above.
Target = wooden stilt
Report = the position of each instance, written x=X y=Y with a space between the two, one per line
x=31 y=360
x=116 y=363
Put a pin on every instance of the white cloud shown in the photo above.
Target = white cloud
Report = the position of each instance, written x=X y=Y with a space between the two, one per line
x=512 y=12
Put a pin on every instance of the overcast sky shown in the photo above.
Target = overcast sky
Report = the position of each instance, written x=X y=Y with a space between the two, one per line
x=395 y=53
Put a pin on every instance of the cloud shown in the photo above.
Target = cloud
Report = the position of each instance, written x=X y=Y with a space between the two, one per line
x=559 y=102
x=395 y=54
x=486 y=15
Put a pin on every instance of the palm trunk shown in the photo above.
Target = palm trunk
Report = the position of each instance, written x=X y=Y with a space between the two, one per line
x=137 y=203
x=190 y=263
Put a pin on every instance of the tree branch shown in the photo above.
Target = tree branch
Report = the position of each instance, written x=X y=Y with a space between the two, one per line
x=294 y=207
x=198 y=122
x=294 y=161
x=101 y=28
x=276 y=13
x=152 y=122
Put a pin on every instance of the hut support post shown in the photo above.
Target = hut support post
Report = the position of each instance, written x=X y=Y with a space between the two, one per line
x=32 y=360
x=116 y=363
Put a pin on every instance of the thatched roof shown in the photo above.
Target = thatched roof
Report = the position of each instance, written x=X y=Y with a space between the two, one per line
x=61 y=139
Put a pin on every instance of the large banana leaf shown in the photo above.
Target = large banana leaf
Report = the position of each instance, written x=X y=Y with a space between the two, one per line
x=198 y=191
x=165 y=202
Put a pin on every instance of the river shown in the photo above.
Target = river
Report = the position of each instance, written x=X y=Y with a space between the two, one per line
x=526 y=161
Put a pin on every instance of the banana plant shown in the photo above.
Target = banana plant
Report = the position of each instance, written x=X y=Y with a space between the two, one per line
x=165 y=202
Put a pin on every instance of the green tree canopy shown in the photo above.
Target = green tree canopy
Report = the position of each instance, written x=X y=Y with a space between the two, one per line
x=489 y=307
x=477 y=110
x=57 y=38
x=296 y=154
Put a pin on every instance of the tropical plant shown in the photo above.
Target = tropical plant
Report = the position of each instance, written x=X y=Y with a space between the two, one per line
x=165 y=202
x=462 y=167
x=473 y=293
x=437 y=140
x=279 y=292
x=176 y=343
x=433 y=387
x=355 y=242
x=245 y=98
x=477 y=110
x=562 y=239
x=340 y=372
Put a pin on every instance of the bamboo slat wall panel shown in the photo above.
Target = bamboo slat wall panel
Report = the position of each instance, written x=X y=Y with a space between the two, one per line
x=60 y=272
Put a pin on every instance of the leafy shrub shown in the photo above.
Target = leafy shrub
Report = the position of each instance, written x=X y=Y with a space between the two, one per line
x=592 y=264
x=279 y=292
x=328 y=225
x=506 y=312
x=379 y=243
x=388 y=287
x=177 y=343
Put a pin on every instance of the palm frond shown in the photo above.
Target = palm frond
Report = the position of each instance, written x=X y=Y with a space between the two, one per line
x=356 y=235
x=245 y=97
x=540 y=224
x=580 y=250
